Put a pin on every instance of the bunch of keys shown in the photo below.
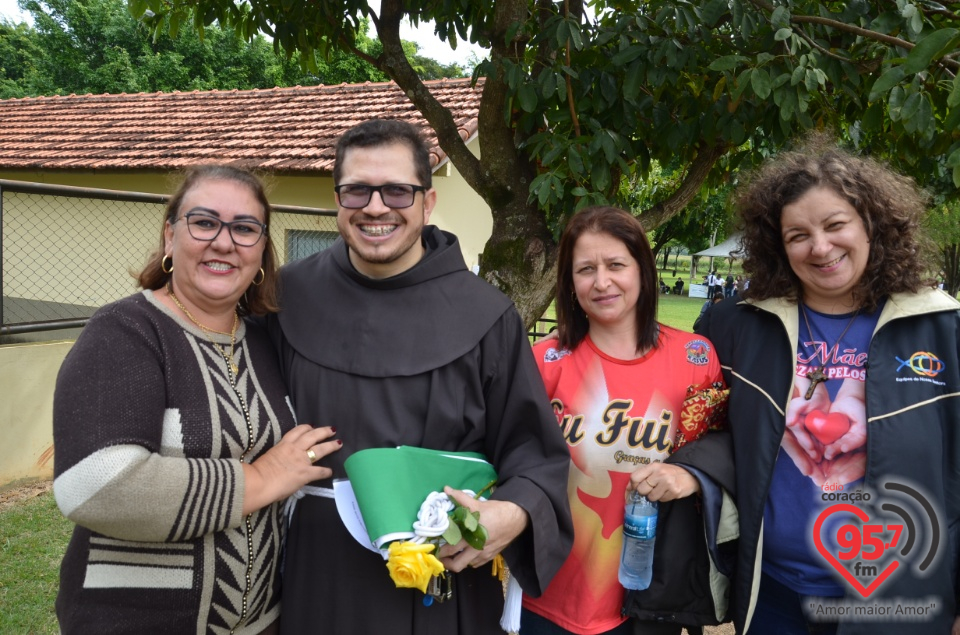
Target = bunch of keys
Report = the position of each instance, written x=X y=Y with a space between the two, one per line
x=439 y=588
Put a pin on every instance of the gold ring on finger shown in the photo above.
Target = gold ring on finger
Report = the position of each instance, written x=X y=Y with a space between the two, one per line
x=312 y=455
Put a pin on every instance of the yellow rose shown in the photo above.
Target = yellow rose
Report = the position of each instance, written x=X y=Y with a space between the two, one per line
x=412 y=565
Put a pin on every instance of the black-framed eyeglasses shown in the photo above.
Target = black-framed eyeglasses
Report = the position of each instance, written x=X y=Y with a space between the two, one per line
x=395 y=195
x=204 y=226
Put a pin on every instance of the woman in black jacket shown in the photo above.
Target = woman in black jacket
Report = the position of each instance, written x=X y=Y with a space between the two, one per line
x=845 y=390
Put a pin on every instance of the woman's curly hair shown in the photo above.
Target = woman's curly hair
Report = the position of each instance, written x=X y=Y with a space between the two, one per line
x=889 y=204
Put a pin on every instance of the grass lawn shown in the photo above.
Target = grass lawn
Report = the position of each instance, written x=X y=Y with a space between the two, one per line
x=679 y=311
x=33 y=538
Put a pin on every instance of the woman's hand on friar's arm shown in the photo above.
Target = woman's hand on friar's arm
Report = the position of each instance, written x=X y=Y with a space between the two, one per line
x=664 y=482
x=288 y=466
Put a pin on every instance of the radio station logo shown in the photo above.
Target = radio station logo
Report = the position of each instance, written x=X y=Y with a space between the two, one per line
x=869 y=547
x=870 y=541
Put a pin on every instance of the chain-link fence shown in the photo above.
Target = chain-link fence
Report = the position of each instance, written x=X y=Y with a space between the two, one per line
x=66 y=251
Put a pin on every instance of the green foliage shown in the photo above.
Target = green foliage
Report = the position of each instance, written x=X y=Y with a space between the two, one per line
x=33 y=539
x=428 y=68
x=19 y=52
x=943 y=226
x=97 y=46
x=591 y=100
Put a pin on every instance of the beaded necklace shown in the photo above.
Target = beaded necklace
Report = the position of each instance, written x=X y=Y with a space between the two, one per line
x=207 y=331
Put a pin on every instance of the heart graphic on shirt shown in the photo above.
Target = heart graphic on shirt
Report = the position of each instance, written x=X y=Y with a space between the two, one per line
x=877 y=551
x=826 y=427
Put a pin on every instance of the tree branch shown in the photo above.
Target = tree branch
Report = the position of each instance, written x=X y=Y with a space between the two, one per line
x=856 y=30
x=393 y=61
x=688 y=189
x=570 y=100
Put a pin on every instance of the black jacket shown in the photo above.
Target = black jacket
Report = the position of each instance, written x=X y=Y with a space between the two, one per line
x=694 y=554
x=913 y=432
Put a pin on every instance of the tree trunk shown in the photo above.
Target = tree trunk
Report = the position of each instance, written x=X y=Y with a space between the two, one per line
x=520 y=258
x=951 y=269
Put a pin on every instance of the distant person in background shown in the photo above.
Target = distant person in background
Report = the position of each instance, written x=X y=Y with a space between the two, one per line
x=678 y=286
x=717 y=297
x=729 y=287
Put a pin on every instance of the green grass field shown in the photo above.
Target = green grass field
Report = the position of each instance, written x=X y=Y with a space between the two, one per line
x=679 y=311
x=33 y=538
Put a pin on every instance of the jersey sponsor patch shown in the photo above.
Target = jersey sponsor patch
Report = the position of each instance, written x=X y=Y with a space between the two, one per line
x=697 y=351
x=555 y=355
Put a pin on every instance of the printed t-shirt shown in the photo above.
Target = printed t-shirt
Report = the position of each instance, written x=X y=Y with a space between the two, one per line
x=799 y=480
x=615 y=415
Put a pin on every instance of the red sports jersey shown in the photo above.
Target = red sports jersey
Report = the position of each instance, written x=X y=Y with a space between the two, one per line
x=615 y=416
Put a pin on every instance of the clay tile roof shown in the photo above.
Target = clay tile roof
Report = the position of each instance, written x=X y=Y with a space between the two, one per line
x=277 y=129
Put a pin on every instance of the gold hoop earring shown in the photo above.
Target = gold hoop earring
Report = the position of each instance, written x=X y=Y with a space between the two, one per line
x=263 y=276
x=163 y=264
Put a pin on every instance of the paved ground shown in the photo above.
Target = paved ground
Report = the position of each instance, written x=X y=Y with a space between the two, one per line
x=725 y=629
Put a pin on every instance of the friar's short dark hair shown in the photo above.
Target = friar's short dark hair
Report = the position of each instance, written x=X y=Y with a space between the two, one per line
x=374 y=133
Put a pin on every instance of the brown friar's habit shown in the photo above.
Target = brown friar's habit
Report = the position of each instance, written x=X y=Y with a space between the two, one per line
x=437 y=358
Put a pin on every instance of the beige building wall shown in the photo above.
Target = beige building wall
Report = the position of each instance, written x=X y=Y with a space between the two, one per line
x=27 y=375
x=461 y=210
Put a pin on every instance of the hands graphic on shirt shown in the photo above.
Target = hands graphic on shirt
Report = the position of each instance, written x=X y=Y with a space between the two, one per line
x=827 y=440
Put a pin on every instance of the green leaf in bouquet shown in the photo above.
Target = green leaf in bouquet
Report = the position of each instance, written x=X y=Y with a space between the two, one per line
x=452 y=535
x=476 y=539
x=471 y=521
x=458 y=514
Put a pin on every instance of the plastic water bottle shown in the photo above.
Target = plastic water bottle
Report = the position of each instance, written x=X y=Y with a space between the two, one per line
x=639 y=535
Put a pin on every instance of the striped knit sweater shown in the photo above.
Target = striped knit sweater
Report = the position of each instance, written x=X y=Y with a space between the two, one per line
x=150 y=429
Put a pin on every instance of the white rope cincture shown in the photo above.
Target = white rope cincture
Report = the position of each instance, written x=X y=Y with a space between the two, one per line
x=307 y=490
x=512 y=603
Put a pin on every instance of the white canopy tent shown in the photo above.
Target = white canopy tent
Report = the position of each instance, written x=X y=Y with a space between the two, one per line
x=730 y=248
